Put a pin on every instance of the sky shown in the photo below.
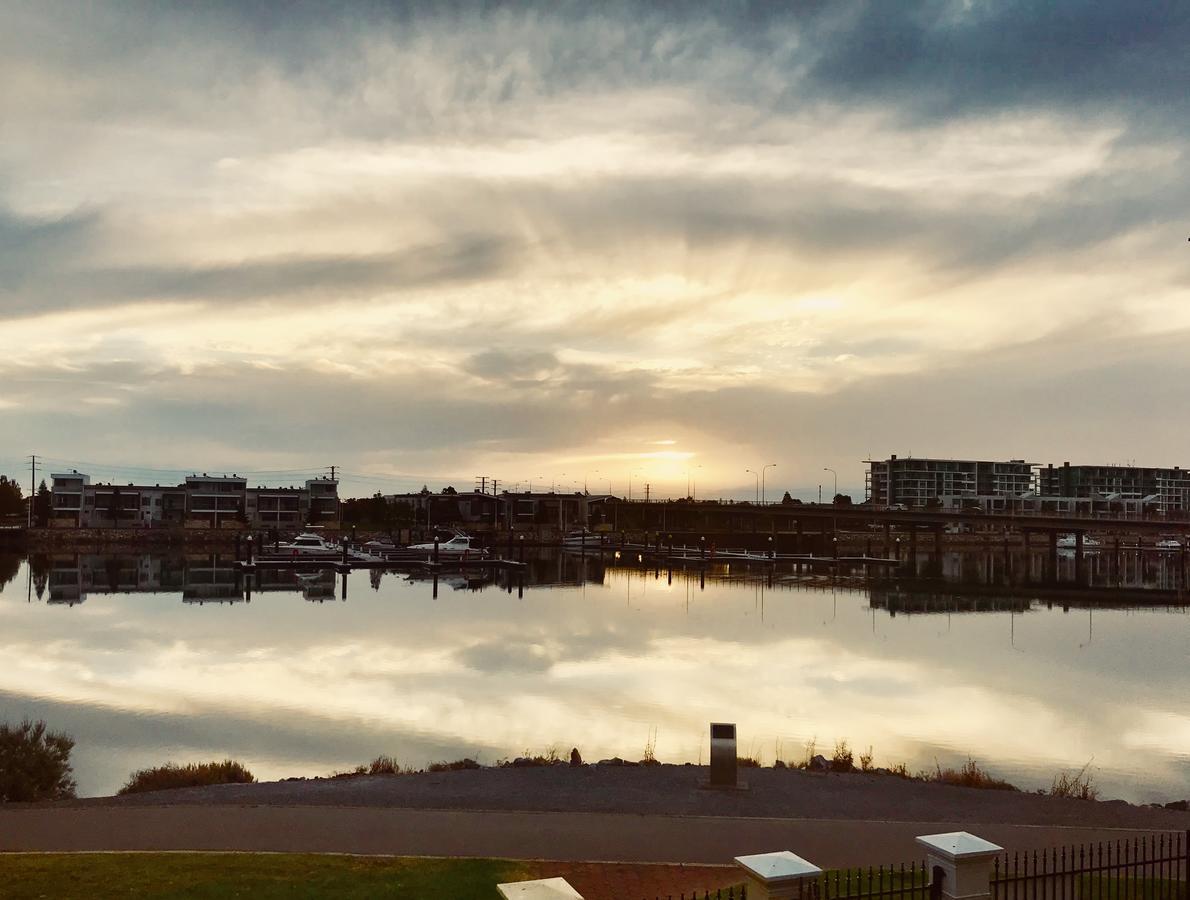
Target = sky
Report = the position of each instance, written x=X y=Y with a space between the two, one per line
x=583 y=244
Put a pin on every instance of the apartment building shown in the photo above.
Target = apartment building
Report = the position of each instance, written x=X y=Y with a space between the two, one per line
x=1167 y=490
x=916 y=482
x=201 y=501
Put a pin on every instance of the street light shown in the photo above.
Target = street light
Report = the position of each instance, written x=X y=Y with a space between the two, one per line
x=755 y=475
x=836 y=474
x=762 y=468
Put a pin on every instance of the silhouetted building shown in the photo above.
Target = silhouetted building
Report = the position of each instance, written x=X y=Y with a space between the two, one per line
x=916 y=482
x=1167 y=490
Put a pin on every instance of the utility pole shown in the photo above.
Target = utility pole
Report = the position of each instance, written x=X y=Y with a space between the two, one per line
x=647 y=492
x=32 y=487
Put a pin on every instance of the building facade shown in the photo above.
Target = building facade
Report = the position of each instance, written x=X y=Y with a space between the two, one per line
x=1164 y=489
x=201 y=501
x=916 y=483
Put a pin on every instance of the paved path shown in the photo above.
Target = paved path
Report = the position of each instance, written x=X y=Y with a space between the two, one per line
x=518 y=835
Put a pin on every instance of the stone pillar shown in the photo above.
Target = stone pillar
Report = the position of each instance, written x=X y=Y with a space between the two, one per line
x=964 y=861
x=541 y=889
x=778 y=876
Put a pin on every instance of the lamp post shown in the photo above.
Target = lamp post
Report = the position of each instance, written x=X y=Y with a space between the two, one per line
x=755 y=475
x=762 y=468
x=836 y=474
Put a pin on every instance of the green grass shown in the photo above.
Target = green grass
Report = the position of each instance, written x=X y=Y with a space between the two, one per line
x=259 y=876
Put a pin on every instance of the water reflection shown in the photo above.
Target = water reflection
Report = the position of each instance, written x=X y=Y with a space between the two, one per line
x=1029 y=663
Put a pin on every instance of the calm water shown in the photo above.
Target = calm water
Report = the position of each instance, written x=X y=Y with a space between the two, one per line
x=146 y=659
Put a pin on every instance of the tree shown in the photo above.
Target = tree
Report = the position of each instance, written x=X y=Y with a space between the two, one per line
x=34 y=763
x=842 y=500
x=788 y=500
x=11 y=503
x=449 y=490
x=41 y=505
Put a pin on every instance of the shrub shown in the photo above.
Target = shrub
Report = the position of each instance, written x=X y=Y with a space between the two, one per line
x=1079 y=786
x=748 y=762
x=34 y=763
x=170 y=776
x=383 y=765
x=970 y=775
x=865 y=760
x=454 y=766
x=843 y=760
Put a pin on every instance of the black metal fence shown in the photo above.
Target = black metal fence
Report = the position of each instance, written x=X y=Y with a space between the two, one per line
x=904 y=882
x=1149 y=867
x=1152 y=867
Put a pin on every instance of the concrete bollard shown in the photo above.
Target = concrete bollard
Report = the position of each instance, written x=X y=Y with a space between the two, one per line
x=541 y=889
x=964 y=863
x=778 y=876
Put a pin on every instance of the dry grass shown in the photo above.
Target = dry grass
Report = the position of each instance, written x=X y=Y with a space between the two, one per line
x=748 y=762
x=172 y=776
x=1079 y=786
x=650 y=755
x=454 y=766
x=969 y=775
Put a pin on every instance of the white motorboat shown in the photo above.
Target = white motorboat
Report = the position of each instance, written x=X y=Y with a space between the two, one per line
x=308 y=544
x=1168 y=544
x=1070 y=542
x=581 y=538
x=459 y=546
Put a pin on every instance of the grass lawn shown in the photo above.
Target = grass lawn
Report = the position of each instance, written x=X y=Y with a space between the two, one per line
x=290 y=875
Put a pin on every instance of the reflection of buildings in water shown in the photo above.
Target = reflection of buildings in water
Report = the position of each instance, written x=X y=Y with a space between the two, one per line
x=896 y=600
x=1098 y=568
x=199 y=579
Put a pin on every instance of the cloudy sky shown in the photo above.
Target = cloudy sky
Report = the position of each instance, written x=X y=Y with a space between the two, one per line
x=590 y=241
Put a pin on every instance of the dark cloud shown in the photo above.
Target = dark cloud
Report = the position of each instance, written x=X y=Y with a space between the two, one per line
x=301 y=278
x=944 y=58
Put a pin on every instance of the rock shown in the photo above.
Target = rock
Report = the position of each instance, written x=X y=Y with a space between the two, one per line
x=1179 y=805
x=819 y=763
x=522 y=762
x=576 y=758
x=614 y=761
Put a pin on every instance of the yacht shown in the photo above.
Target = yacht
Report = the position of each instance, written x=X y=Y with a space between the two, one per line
x=308 y=544
x=581 y=538
x=458 y=546
x=1168 y=544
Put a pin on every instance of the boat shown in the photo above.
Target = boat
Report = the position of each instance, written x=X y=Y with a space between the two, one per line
x=458 y=546
x=1070 y=542
x=580 y=539
x=308 y=544
x=1168 y=544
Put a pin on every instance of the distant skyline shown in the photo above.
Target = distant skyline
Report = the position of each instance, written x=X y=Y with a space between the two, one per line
x=424 y=243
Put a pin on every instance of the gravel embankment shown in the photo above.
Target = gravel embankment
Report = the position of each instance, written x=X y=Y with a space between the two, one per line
x=674 y=790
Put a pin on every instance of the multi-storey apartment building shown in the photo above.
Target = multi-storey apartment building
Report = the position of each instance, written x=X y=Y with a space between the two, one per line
x=1165 y=489
x=201 y=501
x=917 y=482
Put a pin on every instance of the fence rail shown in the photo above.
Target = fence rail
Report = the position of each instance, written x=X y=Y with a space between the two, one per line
x=1152 y=867
x=904 y=882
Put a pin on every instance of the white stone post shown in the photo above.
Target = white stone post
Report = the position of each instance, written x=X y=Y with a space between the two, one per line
x=965 y=861
x=778 y=876
x=541 y=889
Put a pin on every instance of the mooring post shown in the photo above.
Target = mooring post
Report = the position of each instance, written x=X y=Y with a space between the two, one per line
x=963 y=864
x=435 y=563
